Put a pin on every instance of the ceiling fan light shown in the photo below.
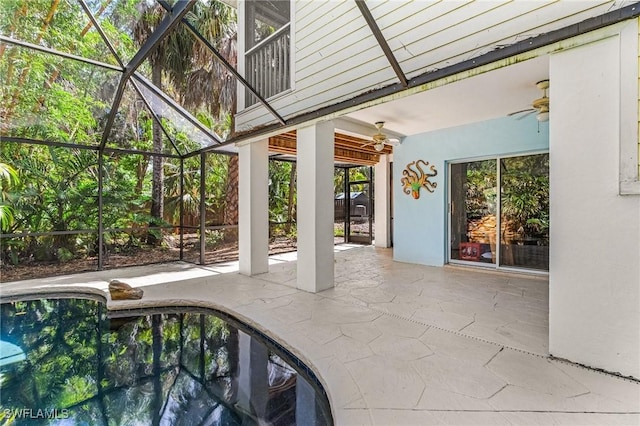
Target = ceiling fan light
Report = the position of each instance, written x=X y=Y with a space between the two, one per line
x=379 y=146
x=543 y=116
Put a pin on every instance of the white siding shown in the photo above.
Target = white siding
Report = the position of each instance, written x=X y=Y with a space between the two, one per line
x=337 y=57
x=464 y=34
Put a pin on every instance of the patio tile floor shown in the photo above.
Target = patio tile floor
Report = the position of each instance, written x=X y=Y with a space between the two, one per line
x=398 y=344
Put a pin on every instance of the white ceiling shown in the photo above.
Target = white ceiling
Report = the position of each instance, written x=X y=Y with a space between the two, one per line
x=490 y=95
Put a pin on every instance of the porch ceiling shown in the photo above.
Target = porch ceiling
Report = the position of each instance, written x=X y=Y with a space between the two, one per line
x=348 y=149
x=486 y=96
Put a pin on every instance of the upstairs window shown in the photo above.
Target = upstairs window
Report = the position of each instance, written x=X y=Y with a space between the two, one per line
x=267 y=57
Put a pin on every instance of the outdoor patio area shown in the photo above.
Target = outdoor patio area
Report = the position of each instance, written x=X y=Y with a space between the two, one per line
x=394 y=343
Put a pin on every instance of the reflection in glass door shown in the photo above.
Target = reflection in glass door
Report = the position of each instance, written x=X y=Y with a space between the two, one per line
x=473 y=211
x=524 y=212
x=509 y=205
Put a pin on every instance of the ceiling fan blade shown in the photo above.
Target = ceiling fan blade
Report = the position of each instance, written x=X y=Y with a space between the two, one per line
x=392 y=142
x=521 y=111
x=528 y=113
x=367 y=144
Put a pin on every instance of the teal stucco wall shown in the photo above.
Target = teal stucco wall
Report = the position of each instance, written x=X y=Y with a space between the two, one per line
x=420 y=226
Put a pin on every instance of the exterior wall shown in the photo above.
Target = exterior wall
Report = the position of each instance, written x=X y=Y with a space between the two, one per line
x=419 y=229
x=337 y=56
x=629 y=109
x=594 y=287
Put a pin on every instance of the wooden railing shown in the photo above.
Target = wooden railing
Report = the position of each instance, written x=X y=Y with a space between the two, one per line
x=268 y=67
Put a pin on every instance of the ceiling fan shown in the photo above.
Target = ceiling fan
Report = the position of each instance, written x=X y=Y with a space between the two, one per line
x=540 y=105
x=379 y=140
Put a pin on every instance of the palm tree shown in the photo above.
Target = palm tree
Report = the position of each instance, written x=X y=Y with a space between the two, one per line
x=184 y=67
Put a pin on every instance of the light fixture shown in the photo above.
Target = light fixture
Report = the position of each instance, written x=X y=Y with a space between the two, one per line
x=542 y=104
x=543 y=115
x=379 y=146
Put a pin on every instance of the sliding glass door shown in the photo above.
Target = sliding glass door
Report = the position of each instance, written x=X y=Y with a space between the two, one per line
x=473 y=207
x=499 y=212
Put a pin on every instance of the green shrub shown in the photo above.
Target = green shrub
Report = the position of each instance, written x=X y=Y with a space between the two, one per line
x=64 y=255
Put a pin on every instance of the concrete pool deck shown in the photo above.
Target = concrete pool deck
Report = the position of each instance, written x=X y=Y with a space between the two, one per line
x=395 y=343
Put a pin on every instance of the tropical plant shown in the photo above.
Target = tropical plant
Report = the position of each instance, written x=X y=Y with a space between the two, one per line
x=49 y=98
x=525 y=194
x=8 y=180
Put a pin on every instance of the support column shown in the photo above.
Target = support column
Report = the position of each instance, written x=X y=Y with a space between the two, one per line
x=315 y=207
x=253 y=220
x=382 y=183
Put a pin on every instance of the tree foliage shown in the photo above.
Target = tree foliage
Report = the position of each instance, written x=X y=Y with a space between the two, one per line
x=49 y=98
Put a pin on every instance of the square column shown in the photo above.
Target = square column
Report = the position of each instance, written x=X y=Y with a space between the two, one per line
x=315 y=207
x=382 y=184
x=253 y=217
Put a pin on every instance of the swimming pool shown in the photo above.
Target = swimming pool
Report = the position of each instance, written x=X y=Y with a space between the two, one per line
x=71 y=361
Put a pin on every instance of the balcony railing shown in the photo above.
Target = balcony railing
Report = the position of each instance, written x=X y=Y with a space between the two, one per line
x=268 y=67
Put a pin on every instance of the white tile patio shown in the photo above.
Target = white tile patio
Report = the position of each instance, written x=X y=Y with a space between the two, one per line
x=398 y=344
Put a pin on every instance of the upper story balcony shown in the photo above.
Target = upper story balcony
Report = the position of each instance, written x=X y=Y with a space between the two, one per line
x=267 y=47
x=268 y=65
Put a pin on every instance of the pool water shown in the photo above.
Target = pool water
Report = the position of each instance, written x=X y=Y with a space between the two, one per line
x=70 y=361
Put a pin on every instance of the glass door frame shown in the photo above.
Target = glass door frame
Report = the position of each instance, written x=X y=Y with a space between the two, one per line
x=497 y=265
x=368 y=182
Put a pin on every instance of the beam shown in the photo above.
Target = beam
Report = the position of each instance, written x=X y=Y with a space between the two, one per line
x=373 y=25
x=155 y=117
x=177 y=107
x=64 y=55
x=28 y=141
x=113 y=111
x=98 y=28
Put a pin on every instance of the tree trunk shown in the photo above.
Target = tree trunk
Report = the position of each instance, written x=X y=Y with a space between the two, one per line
x=22 y=11
x=157 y=187
x=141 y=171
x=231 y=205
x=292 y=188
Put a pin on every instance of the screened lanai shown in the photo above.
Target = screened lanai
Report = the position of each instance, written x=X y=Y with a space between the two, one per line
x=118 y=141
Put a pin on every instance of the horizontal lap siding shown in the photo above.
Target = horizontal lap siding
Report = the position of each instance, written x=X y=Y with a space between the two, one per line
x=451 y=46
x=337 y=57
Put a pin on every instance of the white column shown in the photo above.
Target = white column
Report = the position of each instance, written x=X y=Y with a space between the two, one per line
x=382 y=181
x=253 y=240
x=315 y=207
